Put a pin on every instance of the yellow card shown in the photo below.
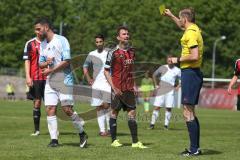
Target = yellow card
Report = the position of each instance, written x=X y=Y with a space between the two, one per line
x=162 y=9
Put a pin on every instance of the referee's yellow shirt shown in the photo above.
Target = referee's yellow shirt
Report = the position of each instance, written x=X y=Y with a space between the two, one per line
x=192 y=37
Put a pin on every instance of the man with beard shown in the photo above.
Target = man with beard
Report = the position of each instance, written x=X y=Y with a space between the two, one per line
x=55 y=60
x=101 y=90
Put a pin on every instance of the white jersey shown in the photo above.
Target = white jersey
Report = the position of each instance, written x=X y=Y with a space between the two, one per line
x=97 y=60
x=58 y=48
x=169 y=75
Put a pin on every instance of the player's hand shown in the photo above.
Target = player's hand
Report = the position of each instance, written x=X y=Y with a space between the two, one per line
x=50 y=60
x=47 y=71
x=176 y=88
x=117 y=91
x=174 y=60
x=168 y=13
x=90 y=82
x=29 y=82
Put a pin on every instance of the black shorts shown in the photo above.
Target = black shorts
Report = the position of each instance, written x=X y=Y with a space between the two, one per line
x=127 y=101
x=37 y=90
x=191 y=84
x=11 y=94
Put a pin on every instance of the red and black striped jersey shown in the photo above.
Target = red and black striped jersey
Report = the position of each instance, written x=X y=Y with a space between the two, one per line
x=31 y=53
x=237 y=68
x=121 y=64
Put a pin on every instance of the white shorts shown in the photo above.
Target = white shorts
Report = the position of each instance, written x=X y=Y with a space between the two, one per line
x=101 y=95
x=166 y=100
x=52 y=97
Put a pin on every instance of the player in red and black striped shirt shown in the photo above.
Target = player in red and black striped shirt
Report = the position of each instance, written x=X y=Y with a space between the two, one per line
x=35 y=80
x=119 y=73
x=234 y=80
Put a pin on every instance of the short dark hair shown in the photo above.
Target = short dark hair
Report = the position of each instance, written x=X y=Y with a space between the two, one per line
x=100 y=36
x=44 y=20
x=188 y=13
x=121 y=28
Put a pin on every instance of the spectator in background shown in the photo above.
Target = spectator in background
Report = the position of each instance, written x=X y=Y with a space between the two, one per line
x=146 y=90
x=10 y=91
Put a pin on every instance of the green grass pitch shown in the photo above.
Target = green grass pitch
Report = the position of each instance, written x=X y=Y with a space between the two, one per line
x=220 y=136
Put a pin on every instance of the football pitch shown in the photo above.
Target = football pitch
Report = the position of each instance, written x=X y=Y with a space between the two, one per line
x=220 y=136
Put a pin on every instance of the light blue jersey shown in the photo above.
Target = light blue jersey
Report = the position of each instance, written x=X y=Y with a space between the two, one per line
x=59 y=49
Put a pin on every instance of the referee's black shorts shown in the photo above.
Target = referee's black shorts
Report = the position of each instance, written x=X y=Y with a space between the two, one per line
x=191 y=84
x=37 y=90
x=127 y=101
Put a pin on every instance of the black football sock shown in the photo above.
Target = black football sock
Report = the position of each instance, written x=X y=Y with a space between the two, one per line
x=198 y=137
x=132 y=124
x=36 y=118
x=113 y=128
x=193 y=135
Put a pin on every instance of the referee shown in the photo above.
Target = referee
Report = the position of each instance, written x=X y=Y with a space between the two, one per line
x=191 y=76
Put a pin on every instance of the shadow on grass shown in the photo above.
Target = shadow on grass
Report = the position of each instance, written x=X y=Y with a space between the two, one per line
x=75 y=144
x=130 y=144
x=210 y=152
x=121 y=134
x=62 y=133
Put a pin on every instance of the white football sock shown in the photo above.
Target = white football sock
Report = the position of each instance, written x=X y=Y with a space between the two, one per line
x=101 y=120
x=107 y=117
x=77 y=122
x=154 y=116
x=167 y=117
x=52 y=126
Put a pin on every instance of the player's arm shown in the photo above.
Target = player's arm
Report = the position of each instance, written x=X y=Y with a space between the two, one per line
x=168 y=13
x=86 y=71
x=66 y=57
x=27 y=66
x=107 y=74
x=109 y=79
x=27 y=72
x=155 y=77
x=232 y=82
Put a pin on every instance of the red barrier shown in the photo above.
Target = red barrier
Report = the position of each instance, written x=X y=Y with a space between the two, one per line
x=218 y=99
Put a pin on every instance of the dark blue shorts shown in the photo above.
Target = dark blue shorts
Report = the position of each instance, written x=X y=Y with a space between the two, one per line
x=191 y=83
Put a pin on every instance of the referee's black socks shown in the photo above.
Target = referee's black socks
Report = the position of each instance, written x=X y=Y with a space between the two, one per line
x=194 y=134
x=132 y=124
x=36 y=118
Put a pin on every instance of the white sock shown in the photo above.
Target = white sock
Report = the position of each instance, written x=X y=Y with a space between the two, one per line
x=107 y=117
x=167 y=117
x=101 y=120
x=52 y=126
x=154 y=116
x=77 y=122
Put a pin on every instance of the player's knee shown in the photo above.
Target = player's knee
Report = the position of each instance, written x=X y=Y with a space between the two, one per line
x=105 y=105
x=169 y=109
x=114 y=114
x=37 y=103
x=68 y=111
x=51 y=110
x=131 y=118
